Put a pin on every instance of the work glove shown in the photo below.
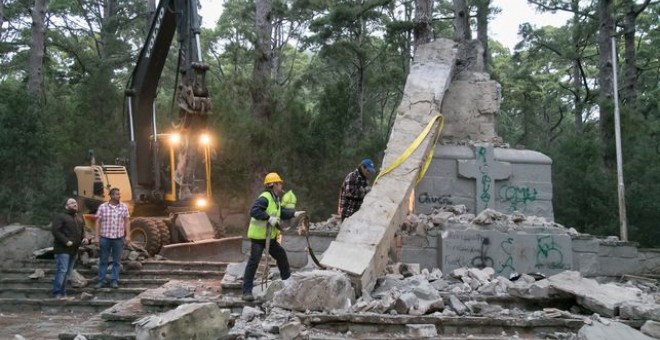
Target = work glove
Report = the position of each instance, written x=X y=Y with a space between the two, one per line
x=69 y=243
x=274 y=220
x=298 y=213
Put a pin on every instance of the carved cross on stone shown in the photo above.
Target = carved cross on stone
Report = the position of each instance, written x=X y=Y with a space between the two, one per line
x=486 y=171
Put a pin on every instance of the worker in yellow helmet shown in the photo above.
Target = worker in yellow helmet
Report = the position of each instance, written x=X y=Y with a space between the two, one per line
x=267 y=210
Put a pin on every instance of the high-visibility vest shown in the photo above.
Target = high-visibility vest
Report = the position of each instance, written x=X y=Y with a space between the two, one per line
x=289 y=200
x=257 y=229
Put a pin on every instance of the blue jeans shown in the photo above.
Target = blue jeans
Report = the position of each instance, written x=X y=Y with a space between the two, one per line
x=256 y=250
x=110 y=246
x=63 y=267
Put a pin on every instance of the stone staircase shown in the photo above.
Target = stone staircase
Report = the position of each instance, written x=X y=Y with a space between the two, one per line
x=159 y=286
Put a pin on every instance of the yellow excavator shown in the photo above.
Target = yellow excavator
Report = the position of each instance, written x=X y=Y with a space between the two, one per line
x=167 y=184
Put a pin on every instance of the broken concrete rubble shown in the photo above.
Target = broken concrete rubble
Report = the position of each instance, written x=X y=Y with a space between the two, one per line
x=604 y=299
x=320 y=290
x=611 y=331
x=188 y=321
x=417 y=296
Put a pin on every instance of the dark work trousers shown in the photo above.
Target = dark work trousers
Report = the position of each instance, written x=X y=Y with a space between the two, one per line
x=64 y=266
x=257 y=249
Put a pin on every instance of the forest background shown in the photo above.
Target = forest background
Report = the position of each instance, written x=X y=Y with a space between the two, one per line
x=309 y=87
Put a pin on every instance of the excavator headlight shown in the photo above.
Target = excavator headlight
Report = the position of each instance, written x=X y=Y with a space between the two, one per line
x=201 y=203
x=205 y=139
x=175 y=138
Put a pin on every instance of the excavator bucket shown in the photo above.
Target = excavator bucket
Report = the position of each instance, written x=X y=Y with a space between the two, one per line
x=215 y=250
x=196 y=232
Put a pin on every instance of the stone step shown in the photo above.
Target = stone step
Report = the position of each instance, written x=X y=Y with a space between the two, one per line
x=143 y=274
x=116 y=322
x=46 y=292
x=95 y=328
x=47 y=282
x=148 y=264
x=375 y=326
x=52 y=305
x=185 y=265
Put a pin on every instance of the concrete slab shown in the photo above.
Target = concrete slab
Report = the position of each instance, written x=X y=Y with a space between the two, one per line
x=363 y=242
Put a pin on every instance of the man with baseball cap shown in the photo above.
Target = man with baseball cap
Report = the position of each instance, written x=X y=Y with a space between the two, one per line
x=354 y=188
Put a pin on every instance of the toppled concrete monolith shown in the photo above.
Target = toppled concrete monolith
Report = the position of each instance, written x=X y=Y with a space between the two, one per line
x=362 y=245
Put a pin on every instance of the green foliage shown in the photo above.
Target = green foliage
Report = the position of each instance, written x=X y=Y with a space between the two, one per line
x=31 y=183
x=584 y=193
x=339 y=69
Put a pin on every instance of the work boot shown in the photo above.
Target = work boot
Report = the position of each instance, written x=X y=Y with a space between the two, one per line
x=114 y=284
x=248 y=297
x=99 y=285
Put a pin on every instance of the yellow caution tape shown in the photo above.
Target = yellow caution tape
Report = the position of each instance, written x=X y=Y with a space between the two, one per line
x=415 y=144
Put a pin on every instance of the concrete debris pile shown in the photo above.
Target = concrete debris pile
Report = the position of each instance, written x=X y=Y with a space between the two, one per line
x=465 y=292
x=456 y=216
x=330 y=225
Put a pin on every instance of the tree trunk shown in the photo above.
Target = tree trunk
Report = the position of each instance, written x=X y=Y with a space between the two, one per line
x=423 y=32
x=605 y=34
x=262 y=60
x=483 y=10
x=108 y=30
x=2 y=14
x=578 y=101
x=631 y=70
x=37 y=48
x=577 y=97
x=461 y=21
x=361 y=71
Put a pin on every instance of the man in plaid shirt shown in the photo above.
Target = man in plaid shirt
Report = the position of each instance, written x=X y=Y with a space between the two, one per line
x=112 y=230
x=355 y=188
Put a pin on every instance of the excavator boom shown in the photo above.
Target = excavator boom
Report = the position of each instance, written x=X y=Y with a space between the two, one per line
x=146 y=169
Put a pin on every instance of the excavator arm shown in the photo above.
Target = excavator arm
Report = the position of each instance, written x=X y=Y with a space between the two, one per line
x=190 y=173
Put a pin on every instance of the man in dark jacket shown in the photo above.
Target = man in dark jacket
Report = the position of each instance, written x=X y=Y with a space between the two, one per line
x=69 y=233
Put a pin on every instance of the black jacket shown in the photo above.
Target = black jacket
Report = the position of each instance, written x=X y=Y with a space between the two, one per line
x=67 y=226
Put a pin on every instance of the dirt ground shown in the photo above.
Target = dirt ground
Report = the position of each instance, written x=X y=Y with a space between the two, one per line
x=37 y=325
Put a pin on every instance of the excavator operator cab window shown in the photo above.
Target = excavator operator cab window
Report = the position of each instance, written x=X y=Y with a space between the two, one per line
x=98 y=188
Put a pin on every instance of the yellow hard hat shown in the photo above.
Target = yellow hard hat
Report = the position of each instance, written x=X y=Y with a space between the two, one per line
x=271 y=178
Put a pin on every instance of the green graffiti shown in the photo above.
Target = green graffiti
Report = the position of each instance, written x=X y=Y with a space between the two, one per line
x=517 y=196
x=549 y=252
x=485 y=179
x=508 y=263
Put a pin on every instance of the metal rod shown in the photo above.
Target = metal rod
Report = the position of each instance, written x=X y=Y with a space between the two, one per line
x=619 y=158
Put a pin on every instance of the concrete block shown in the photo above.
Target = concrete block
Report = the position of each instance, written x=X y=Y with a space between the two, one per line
x=506 y=252
x=189 y=321
x=618 y=266
x=419 y=331
x=618 y=250
x=649 y=260
x=586 y=263
x=651 y=328
x=419 y=241
x=297 y=259
x=426 y=257
x=585 y=245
